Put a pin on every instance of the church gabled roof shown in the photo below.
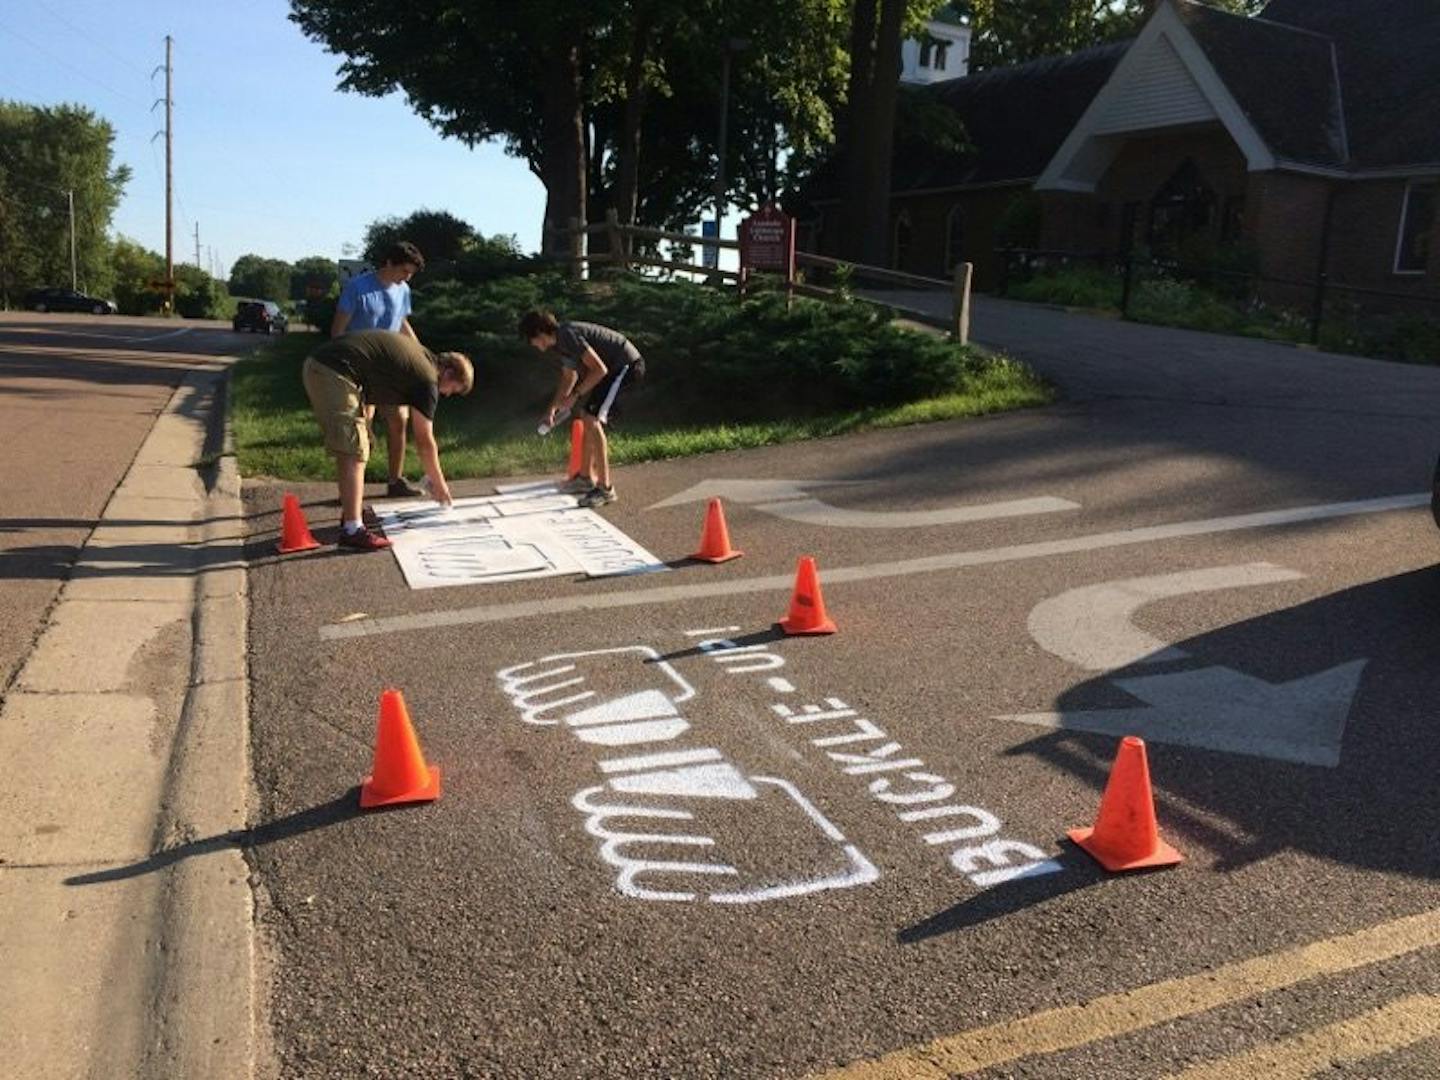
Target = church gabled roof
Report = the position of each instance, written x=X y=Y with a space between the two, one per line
x=1016 y=116
x=1388 y=59
x=1282 y=77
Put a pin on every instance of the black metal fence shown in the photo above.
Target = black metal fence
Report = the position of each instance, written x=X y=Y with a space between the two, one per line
x=1319 y=310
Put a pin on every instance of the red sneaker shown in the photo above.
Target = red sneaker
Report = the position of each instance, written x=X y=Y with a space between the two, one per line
x=362 y=539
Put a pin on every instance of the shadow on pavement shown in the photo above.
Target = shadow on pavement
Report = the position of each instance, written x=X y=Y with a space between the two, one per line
x=339 y=809
x=1006 y=899
x=1376 y=809
x=758 y=637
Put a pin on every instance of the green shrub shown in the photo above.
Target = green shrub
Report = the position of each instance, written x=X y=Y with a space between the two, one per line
x=703 y=349
x=1074 y=286
x=1160 y=299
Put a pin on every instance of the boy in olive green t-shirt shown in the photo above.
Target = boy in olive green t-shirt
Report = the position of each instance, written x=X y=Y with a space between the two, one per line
x=377 y=367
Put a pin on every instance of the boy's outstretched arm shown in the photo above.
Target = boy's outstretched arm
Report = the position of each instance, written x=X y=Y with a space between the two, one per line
x=429 y=451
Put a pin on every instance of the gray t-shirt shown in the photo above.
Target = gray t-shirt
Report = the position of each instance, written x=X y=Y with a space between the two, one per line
x=613 y=347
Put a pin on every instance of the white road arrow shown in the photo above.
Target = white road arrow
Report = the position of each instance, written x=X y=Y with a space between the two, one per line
x=1091 y=628
x=788 y=499
x=748 y=491
x=1214 y=708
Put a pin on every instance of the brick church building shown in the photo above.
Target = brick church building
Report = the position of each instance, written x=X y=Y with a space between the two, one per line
x=1310 y=135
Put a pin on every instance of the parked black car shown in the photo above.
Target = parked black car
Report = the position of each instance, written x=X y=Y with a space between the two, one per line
x=260 y=316
x=67 y=300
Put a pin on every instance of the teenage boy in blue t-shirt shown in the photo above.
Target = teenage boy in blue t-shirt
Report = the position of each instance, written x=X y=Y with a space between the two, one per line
x=380 y=300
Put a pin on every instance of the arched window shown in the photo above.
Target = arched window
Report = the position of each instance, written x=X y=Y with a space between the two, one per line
x=954 y=237
x=900 y=248
x=1183 y=207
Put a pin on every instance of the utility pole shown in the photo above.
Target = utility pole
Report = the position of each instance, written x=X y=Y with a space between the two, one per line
x=197 y=245
x=732 y=45
x=70 y=195
x=169 y=183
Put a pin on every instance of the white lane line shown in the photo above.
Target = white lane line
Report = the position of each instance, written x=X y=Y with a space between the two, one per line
x=815 y=512
x=127 y=338
x=929 y=564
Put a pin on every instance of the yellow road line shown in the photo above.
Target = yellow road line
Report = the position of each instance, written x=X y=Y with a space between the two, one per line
x=1134 y=1010
x=1402 y=1023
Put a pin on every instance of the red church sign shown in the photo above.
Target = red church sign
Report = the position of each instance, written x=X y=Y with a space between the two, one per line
x=767 y=242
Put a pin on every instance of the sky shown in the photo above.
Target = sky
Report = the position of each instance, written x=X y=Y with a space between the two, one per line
x=270 y=157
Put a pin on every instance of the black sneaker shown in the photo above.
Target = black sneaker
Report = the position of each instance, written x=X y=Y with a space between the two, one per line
x=362 y=539
x=598 y=496
x=401 y=489
x=577 y=485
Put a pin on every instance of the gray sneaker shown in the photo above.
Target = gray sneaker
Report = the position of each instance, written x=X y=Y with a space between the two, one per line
x=598 y=496
x=577 y=485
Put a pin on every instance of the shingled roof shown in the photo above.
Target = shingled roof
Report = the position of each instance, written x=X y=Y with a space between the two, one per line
x=1016 y=117
x=1388 y=57
x=1282 y=77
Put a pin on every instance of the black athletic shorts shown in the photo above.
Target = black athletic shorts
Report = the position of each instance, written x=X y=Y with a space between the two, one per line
x=603 y=401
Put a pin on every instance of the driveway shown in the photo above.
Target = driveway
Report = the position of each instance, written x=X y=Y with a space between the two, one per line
x=674 y=842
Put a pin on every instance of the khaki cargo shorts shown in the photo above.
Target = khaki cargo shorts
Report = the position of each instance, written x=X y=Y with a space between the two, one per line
x=339 y=407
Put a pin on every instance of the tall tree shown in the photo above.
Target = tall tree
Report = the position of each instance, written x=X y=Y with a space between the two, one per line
x=319 y=273
x=260 y=278
x=877 y=28
x=612 y=103
x=483 y=69
x=441 y=236
x=45 y=154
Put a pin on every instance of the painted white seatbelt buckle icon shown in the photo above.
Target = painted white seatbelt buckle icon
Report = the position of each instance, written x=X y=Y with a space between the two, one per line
x=677 y=821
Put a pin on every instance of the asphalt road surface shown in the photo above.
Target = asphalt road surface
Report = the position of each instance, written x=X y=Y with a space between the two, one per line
x=78 y=394
x=675 y=843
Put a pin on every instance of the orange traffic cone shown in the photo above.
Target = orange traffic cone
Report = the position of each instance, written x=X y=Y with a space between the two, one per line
x=1125 y=836
x=715 y=537
x=807 y=606
x=294 y=532
x=400 y=774
x=577 y=450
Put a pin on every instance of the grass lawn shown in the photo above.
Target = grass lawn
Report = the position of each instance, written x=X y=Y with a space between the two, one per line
x=676 y=412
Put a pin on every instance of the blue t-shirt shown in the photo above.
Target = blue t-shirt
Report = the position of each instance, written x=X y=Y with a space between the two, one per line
x=372 y=305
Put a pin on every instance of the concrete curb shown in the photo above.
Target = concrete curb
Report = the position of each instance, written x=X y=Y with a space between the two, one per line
x=204 y=1007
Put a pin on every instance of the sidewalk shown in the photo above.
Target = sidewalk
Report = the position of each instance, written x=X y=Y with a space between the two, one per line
x=126 y=735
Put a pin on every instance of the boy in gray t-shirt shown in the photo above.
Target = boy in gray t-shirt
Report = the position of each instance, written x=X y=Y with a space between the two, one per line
x=596 y=365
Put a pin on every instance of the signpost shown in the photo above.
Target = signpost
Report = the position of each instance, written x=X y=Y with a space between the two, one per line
x=710 y=253
x=767 y=244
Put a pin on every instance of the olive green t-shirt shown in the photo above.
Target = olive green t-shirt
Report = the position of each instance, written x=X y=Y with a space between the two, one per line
x=390 y=368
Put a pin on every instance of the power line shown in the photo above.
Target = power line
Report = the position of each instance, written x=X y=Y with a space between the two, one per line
x=66 y=64
x=92 y=39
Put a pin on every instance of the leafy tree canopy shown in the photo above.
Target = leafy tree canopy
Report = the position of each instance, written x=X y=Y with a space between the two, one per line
x=45 y=153
x=260 y=278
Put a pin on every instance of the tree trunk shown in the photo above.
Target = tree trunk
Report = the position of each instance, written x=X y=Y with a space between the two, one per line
x=562 y=164
x=627 y=180
x=862 y=62
x=884 y=91
x=874 y=87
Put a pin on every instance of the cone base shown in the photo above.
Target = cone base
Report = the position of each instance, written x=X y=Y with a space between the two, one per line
x=1163 y=855
x=699 y=557
x=304 y=545
x=428 y=792
x=790 y=626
